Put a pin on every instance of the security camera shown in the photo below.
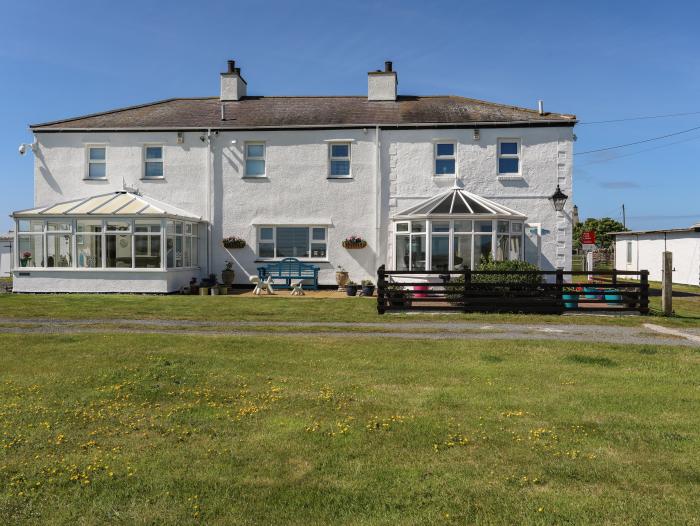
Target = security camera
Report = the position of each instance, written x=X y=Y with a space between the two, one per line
x=22 y=149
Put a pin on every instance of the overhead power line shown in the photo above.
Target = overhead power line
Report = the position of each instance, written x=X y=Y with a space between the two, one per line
x=643 y=117
x=638 y=142
x=673 y=143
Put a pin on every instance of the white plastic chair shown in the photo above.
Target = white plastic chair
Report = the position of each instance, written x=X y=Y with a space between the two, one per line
x=261 y=286
x=297 y=289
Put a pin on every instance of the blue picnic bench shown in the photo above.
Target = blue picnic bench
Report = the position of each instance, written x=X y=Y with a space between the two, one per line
x=289 y=269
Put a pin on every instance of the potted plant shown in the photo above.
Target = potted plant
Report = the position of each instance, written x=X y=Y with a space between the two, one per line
x=204 y=286
x=194 y=288
x=398 y=295
x=367 y=287
x=228 y=274
x=351 y=288
x=233 y=242
x=341 y=278
x=25 y=259
x=354 y=242
x=570 y=297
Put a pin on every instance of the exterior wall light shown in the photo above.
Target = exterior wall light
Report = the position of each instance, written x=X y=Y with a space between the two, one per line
x=559 y=199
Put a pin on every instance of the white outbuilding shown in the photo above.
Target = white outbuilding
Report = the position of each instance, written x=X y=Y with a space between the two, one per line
x=6 y=243
x=643 y=250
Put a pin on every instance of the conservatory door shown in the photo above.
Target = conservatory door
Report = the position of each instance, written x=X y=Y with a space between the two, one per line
x=533 y=243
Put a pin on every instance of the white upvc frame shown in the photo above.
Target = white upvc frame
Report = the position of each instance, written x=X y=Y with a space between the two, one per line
x=103 y=242
x=246 y=158
x=518 y=156
x=312 y=241
x=428 y=234
x=437 y=157
x=145 y=160
x=89 y=161
x=332 y=158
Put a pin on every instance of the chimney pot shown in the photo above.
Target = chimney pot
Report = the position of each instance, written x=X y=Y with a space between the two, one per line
x=388 y=66
x=233 y=87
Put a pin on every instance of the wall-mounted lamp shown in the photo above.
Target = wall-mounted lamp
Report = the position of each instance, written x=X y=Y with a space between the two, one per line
x=180 y=137
x=559 y=199
x=234 y=141
x=477 y=134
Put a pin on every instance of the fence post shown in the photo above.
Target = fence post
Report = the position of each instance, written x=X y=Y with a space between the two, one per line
x=614 y=277
x=381 y=290
x=560 y=288
x=467 y=282
x=667 y=283
x=644 y=292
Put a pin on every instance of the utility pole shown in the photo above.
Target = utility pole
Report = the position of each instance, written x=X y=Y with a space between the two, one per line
x=624 y=219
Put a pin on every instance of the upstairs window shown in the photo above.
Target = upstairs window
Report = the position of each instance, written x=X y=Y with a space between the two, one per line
x=508 y=157
x=97 y=162
x=445 y=163
x=153 y=162
x=255 y=159
x=340 y=159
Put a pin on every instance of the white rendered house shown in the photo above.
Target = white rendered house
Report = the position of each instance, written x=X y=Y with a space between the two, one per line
x=138 y=199
x=644 y=249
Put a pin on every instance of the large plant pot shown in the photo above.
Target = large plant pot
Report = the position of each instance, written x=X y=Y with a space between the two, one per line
x=223 y=290
x=342 y=278
x=368 y=290
x=227 y=276
x=351 y=290
x=24 y=262
x=570 y=301
x=204 y=291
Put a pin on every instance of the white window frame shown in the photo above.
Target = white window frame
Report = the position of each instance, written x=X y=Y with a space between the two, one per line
x=145 y=160
x=274 y=228
x=331 y=158
x=437 y=157
x=428 y=233
x=629 y=253
x=89 y=161
x=518 y=156
x=255 y=158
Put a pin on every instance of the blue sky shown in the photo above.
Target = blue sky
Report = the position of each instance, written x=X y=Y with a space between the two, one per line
x=599 y=60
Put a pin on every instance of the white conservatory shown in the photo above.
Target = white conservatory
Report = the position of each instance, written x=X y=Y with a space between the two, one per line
x=454 y=231
x=116 y=242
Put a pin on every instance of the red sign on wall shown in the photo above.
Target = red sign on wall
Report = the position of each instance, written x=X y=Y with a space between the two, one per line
x=588 y=238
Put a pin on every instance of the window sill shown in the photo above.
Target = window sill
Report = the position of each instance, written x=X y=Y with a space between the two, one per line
x=100 y=179
x=161 y=178
x=331 y=177
x=443 y=176
x=510 y=177
x=254 y=177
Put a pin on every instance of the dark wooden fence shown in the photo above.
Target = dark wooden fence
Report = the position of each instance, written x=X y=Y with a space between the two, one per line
x=512 y=291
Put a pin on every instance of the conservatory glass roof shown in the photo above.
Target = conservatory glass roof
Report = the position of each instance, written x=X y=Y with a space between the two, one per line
x=120 y=203
x=459 y=202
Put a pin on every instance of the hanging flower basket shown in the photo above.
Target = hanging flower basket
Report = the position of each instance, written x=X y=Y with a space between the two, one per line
x=354 y=242
x=233 y=242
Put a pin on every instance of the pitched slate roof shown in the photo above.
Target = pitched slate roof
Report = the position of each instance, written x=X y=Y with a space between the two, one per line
x=309 y=112
x=119 y=203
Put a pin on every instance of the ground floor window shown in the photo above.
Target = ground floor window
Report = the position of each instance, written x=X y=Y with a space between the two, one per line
x=106 y=243
x=455 y=244
x=292 y=242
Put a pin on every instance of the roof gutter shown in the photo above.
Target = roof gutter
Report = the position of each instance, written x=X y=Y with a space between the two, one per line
x=393 y=126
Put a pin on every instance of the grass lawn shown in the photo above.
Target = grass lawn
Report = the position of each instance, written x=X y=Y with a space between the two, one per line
x=285 y=308
x=148 y=429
